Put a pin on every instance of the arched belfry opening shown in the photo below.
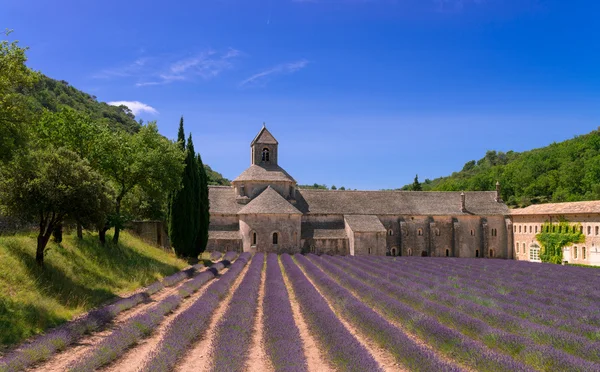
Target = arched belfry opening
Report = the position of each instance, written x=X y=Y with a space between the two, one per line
x=265 y=155
x=264 y=148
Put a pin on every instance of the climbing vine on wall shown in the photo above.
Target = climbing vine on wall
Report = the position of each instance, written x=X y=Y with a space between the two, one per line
x=555 y=236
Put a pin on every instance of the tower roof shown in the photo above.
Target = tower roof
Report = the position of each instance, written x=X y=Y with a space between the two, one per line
x=269 y=202
x=264 y=136
x=265 y=173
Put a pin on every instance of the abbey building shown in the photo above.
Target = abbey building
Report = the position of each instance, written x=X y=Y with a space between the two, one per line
x=265 y=211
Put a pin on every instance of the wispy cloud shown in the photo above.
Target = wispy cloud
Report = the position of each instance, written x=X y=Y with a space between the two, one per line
x=164 y=70
x=261 y=78
x=135 y=106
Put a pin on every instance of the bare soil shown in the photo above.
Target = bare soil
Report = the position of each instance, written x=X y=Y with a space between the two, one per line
x=258 y=360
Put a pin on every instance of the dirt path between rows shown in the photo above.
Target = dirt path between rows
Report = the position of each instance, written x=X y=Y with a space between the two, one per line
x=382 y=356
x=258 y=360
x=315 y=360
x=198 y=357
x=60 y=361
x=133 y=358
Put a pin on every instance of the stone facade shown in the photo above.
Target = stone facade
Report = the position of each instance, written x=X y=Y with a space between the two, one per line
x=264 y=211
x=527 y=222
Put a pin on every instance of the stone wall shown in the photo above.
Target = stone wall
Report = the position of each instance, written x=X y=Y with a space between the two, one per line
x=265 y=225
x=224 y=245
x=152 y=232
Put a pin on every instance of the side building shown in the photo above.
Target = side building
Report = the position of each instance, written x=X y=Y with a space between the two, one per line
x=265 y=211
x=527 y=223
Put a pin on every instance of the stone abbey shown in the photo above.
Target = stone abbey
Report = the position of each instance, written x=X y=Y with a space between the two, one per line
x=264 y=211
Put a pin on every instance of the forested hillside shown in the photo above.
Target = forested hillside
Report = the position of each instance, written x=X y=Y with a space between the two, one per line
x=560 y=172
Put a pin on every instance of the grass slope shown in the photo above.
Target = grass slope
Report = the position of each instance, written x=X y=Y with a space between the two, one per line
x=79 y=275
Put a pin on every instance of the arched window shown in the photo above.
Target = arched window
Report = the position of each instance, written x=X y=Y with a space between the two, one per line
x=491 y=253
x=275 y=238
x=589 y=230
x=575 y=252
x=420 y=232
x=519 y=228
x=536 y=229
x=597 y=230
x=393 y=251
x=390 y=232
x=265 y=154
x=253 y=238
x=560 y=229
x=472 y=232
x=580 y=229
x=477 y=253
x=524 y=248
x=409 y=252
x=583 y=253
x=530 y=227
x=517 y=247
x=515 y=228
x=369 y=250
x=447 y=253
x=574 y=229
x=437 y=232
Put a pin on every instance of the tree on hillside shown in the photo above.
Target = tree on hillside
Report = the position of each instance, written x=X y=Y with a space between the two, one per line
x=15 y=79
x=416 y=186
x=204 y=206
x=184 y=207
x=48 y=185
x=145 y=159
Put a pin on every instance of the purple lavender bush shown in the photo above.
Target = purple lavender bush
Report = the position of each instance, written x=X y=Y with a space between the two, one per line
x=341 y=348
x=235 y=329
x=283 y=344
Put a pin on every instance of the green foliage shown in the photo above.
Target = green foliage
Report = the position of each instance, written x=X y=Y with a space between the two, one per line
x=560 y=172
x=184 y=206
x=416 y=186
x=46 y=186
x=144 y=159
x=15 y=81
x=79 y=275
x=555 y=236
x=315 y=186
x=215 y=178
x=204 y=206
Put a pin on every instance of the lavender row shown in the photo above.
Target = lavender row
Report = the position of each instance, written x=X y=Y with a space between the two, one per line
x=137 y=327
x=519 y=347
x=215 y=255
x=342 y=349
x=281 y=335
x=406 y=351
x=235 y=329
x=60 y=337
x=576 y=322
x=446 y=340
x=587 y=314
x=191 y=323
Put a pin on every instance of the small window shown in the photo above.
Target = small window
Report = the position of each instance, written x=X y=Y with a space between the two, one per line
x=437 y=232
x=447 y=253
x=265 y=154
x=536 y=229
x=560 y=229
x=369 y=250
x=519 y=228
x=530 y=229
x=393 y=251
x=477 y=253
x=574 y=230
x=390 y=232
x=597 y=230
x=491 y=253
x=409 y=252
x=472 y=232
x=589 y=230
x=275 y=238
x=253 y=238
x=580 y=229
x=583 y=253
x=554 y=228
x=547 y=228
x=524 y=248
x=575 y=252
x=515 y=228
x=420 y=232
x=517 y=247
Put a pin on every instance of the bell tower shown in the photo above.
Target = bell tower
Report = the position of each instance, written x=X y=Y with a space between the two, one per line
x=264 y=148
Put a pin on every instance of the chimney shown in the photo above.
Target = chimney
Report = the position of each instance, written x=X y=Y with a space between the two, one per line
x=498 y=198
x=463 y=207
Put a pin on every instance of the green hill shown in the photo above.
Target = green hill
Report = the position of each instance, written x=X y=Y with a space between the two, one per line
x=560 y=172
x=79 y=275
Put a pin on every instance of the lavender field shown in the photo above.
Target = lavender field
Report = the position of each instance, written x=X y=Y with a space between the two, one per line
x=310 y=313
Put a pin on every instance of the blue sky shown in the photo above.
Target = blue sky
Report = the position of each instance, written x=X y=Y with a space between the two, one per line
x=360 y=93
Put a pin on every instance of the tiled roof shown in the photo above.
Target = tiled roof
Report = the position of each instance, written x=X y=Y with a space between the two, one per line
x=264 y=136
x=364 y=223
x=269 y=202
x=224 y=235
x=416 y=203
x=222 y=200
x=265 y=173
x=559 y=208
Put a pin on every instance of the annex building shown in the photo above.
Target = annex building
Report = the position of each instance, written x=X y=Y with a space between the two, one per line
x=264 y=211
x=527 y=223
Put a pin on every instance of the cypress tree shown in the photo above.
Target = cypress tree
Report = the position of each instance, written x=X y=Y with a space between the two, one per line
x=204 y=206
x=416 y=186
x=183 y=206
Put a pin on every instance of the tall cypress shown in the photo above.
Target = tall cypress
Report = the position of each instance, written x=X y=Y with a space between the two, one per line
x=204 y=206
x=183 y=211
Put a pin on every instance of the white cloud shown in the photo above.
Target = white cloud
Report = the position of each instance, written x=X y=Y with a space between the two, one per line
x=159 y=71
x=135 y=106
x=284 y=68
